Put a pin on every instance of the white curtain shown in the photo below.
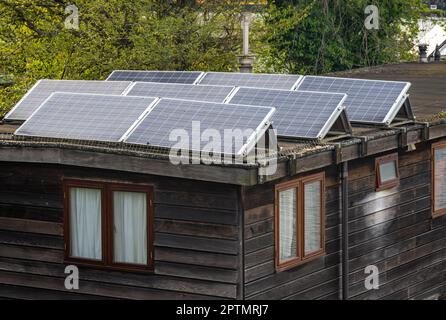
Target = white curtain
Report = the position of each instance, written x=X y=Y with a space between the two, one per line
x=85 y=223
x=130 y=227
x=312 y=217
x=287 y=225
x=440 y=179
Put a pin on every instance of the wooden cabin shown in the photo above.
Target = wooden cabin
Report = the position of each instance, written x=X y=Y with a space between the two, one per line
x=227 y=232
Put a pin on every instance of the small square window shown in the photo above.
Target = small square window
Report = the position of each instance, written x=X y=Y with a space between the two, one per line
x=387 y=174
x=439 y=179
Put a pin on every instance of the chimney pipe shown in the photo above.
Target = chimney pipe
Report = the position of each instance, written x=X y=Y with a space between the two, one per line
x=246 y=60
x=437 y=53
x=423 y=53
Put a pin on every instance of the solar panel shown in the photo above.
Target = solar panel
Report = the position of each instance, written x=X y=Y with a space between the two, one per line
x=169 y=114
x=185 y=77
x=369 y=101
x=44 y=88
x=267 y=81
x=85 y=117
x=299 y=114
x=181 y=91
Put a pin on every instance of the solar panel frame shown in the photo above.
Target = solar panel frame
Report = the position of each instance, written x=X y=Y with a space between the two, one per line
x=292 y=87
x=150 y=105
x=10 y=115
x=325 y=129
x=250 y=141
x=179 y=89
x=393 y=110
x=114 y=72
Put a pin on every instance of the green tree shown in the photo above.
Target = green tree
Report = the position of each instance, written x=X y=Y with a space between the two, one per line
x=113 y=34
x=319 y=36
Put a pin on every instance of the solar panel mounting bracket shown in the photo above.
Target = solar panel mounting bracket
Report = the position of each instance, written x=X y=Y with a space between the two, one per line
x=338 y=114
x=255 y=136
x=399 y=103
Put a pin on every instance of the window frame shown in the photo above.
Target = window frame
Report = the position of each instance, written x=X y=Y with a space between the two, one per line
x=107 y=188
x=149 y=220
x=435 y=146
x=84 y=184
x=381 y=186
x=301 y=257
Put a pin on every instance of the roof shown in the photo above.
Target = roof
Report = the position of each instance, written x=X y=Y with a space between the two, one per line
x=427 y=94
x=428 y=98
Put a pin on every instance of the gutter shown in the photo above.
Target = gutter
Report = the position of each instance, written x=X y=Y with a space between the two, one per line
x=345 y=230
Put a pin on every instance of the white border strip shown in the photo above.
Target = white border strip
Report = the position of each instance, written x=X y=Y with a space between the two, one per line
x=200 y=77
x=332 y=120
x=143 y=115
x=32 y=114
x=257 y=134
x=298 y=82
x=397 y=105
x=357 y=79
x=6 y=117
x=128 y=89
x=231 y=95
x=150 y=71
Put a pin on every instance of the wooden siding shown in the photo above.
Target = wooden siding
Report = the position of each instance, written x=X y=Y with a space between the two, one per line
x=392 y=229
x=197 y=241
x=311 y=280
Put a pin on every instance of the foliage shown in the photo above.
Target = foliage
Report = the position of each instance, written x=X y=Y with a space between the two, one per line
x=113 y=34
x=318 y=36
x=300 y=36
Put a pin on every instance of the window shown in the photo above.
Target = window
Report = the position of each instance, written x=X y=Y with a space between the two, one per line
x=387 y=174
x=108 y=224
x=299 y=222
x=439 y=179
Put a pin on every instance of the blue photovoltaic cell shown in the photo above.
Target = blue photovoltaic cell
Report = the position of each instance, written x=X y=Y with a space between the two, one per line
x=185 y=77
x=254 y=80
x=85 y=117
x=169 y=115
x=367 y=101
x=299 y=114
x=216 y=94
x=44 y=88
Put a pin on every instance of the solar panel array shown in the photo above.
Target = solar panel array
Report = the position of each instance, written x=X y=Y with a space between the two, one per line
x=369 y=101
x=44 y=88
x=128 y=111
x=186 y=77
x=267 y=81
x=169 y=114
x=181 y=91
x=85 y=117
x=299 y=114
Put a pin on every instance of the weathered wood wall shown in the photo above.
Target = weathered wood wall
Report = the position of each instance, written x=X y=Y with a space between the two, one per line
x=197 y=241
x=316 y=279
x=392 y=229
